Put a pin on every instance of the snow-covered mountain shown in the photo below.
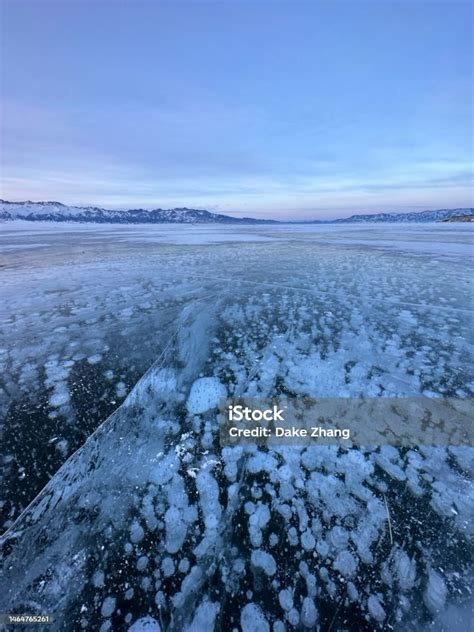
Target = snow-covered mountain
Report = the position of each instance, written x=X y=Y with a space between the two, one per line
x=460 y=218
x=418 y=216
x=57 y=212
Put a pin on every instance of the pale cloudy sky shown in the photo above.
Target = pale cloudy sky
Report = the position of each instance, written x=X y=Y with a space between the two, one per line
x=280 y=109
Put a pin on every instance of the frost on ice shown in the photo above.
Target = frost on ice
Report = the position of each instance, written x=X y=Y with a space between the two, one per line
x=152 y=525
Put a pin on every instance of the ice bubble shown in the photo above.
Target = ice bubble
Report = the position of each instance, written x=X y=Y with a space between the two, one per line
x=205 y=617
x=309 y=614
x=183 y=565
x=98 y=579
x=375 y=608
x=406 y=570
x=345 y=563
x=265 y=561
x=307 y=541
x=142 y=563
x=94 y=359
x=206 y=392
x=121 y=389
x=136 y=532
x=175 y=530
x=145 y=624
x=108 y=606
x=167 y=566
x=252 y=619
x=435 y=593
x=59 y=397
x=285 y=598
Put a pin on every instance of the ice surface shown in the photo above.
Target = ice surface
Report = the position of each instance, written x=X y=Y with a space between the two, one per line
x=151 y=522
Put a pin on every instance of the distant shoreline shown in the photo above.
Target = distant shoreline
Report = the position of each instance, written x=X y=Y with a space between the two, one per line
x=58 y=212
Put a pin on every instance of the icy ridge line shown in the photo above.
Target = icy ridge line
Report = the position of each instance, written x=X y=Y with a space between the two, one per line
x=58 y=212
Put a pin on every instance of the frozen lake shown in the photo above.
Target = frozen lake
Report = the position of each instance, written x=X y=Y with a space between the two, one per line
x=448 y=238
x=210 y=537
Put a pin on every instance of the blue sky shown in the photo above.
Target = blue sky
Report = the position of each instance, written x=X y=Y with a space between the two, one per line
x=270 y=109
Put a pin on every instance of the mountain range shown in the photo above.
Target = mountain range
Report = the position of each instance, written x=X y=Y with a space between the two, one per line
x=57 y=212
